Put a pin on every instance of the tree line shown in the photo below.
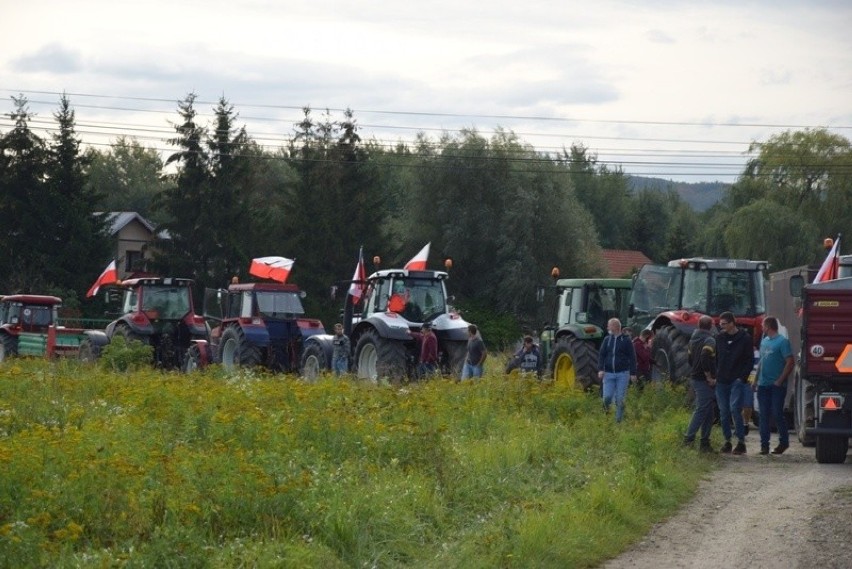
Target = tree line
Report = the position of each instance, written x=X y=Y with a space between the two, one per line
x=503 y=211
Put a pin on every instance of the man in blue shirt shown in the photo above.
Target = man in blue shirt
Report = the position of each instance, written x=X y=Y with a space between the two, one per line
x=616 y=367
x=776 y=365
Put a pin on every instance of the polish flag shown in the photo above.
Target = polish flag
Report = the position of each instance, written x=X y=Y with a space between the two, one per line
x=109 y=276
x=418 y=262
x=828 y=270
x=275 y=268
x=356 y=289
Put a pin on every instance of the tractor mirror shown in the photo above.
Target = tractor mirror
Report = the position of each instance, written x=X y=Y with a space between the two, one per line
x=797 y=283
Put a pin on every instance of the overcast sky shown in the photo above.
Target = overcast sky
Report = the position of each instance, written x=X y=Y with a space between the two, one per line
x=670 y=88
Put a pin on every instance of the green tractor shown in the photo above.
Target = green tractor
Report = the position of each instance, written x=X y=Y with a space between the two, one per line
x=570 y=343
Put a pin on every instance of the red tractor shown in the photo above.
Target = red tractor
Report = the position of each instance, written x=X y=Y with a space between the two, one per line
x=669 y=300
x=28 y=327
x=156 y=311
x=256 y=324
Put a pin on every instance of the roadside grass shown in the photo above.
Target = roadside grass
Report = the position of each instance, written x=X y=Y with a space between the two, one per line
x=152 y=469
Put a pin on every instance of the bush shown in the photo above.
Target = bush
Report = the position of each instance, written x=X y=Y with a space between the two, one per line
x=123 y=356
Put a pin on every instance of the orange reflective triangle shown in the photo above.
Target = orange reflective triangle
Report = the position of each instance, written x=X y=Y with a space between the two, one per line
x=830 y=404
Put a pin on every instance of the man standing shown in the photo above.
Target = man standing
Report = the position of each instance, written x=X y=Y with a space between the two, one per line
x=734 y=361
x=776 y=364
x=527 y=359
x=428 y=350
x=340 y=351
x=616 y=367
x=702 y=359
x=476 y=354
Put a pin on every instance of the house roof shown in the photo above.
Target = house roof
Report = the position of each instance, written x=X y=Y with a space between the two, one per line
x=118 y=220
x=619 y=263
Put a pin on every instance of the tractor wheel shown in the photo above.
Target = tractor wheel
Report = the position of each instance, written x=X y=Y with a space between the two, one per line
x=574 y=363
x=313 y=362
x=803 y=405
x=831 y=449
x=192 y=359
x=236 y=351
x=452 y=362
x=378 y=357
x=129 y=335
x=89 y=352
x=8 y=346
x=670 y=353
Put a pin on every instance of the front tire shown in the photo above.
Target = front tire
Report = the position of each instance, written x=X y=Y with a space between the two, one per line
x=236 y=351
x=378 y=357
x=574 y=363
x=89 y=352
x=8 y=346
x=313 y=362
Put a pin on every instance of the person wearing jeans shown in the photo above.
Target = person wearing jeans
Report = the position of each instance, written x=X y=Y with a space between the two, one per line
x=617 y=367
x=702 y=360
x=734 y=362
x=776 y=365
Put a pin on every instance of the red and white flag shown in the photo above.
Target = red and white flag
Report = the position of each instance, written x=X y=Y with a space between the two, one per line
x=109 y=276
x=828 y=270
x=356 y=289
x=275 y=268
x=418 y=262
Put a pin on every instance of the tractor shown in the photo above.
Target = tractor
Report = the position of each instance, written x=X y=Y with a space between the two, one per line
x=395 y=303
x=28 y=327
x=256 y=324
x=670 y=299
x=570 y=343
x=155 y=311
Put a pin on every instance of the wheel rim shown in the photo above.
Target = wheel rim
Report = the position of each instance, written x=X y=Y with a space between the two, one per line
x=311 y=369
x=367 y=363
x=564 y=370
x=662 y=360
x=229 y=352
x=191 y=362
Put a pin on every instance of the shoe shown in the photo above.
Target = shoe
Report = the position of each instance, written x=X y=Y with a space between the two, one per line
x=780 y=449
x=764 y=450
x=739 y=449
x=705 y=447
x=688 y=443
x=726 y=448
x=746 y=429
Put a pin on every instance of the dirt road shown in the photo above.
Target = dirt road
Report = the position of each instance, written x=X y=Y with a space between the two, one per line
x=757 y=511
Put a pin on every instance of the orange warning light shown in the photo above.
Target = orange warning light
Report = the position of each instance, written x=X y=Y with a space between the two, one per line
x=830 y=402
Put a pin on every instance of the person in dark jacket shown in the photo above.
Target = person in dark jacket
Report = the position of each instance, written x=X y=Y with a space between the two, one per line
x=616 y=367
x=702 y=359
x=527 y=359
x=734 y=362
x=642 y=347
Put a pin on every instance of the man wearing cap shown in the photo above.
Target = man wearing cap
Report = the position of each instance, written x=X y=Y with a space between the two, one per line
x=428 y=349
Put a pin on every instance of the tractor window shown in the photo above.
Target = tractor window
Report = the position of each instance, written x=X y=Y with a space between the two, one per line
x=4 y=309
x=424 y=298
x=169 y=302
x=279 y=305
x=381 y=295
x=656 y=289
x=131 y=302
x=695 y=294
x=740 y=292
x=36 y=317
x=232 y=305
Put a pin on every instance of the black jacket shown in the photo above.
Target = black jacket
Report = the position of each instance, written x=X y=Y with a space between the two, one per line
x=734 y=356
x=617 y=354
x=702 y=354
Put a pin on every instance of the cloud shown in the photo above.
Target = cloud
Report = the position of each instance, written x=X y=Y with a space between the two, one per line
x=659 y=36
x=53 y=58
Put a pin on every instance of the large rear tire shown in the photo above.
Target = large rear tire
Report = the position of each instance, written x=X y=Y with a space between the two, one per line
x=804 y=410
x=236 y=351
x=378 y=357
x=670 y=354
x=831 y=449
x=129 y=335
x=313 y=362
x=574 y=363
x=8 y=346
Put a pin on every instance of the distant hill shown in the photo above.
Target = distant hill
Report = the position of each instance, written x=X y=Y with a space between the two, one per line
x=699 y=195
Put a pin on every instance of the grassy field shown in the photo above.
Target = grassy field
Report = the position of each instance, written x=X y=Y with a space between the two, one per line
x=102 y=469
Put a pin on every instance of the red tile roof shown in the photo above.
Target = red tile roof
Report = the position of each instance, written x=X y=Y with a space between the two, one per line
x=621 y=263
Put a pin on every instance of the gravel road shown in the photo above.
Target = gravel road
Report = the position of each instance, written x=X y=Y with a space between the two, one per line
x=757 y=511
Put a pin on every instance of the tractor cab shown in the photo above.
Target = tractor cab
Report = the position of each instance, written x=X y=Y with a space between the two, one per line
x=417 y=296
